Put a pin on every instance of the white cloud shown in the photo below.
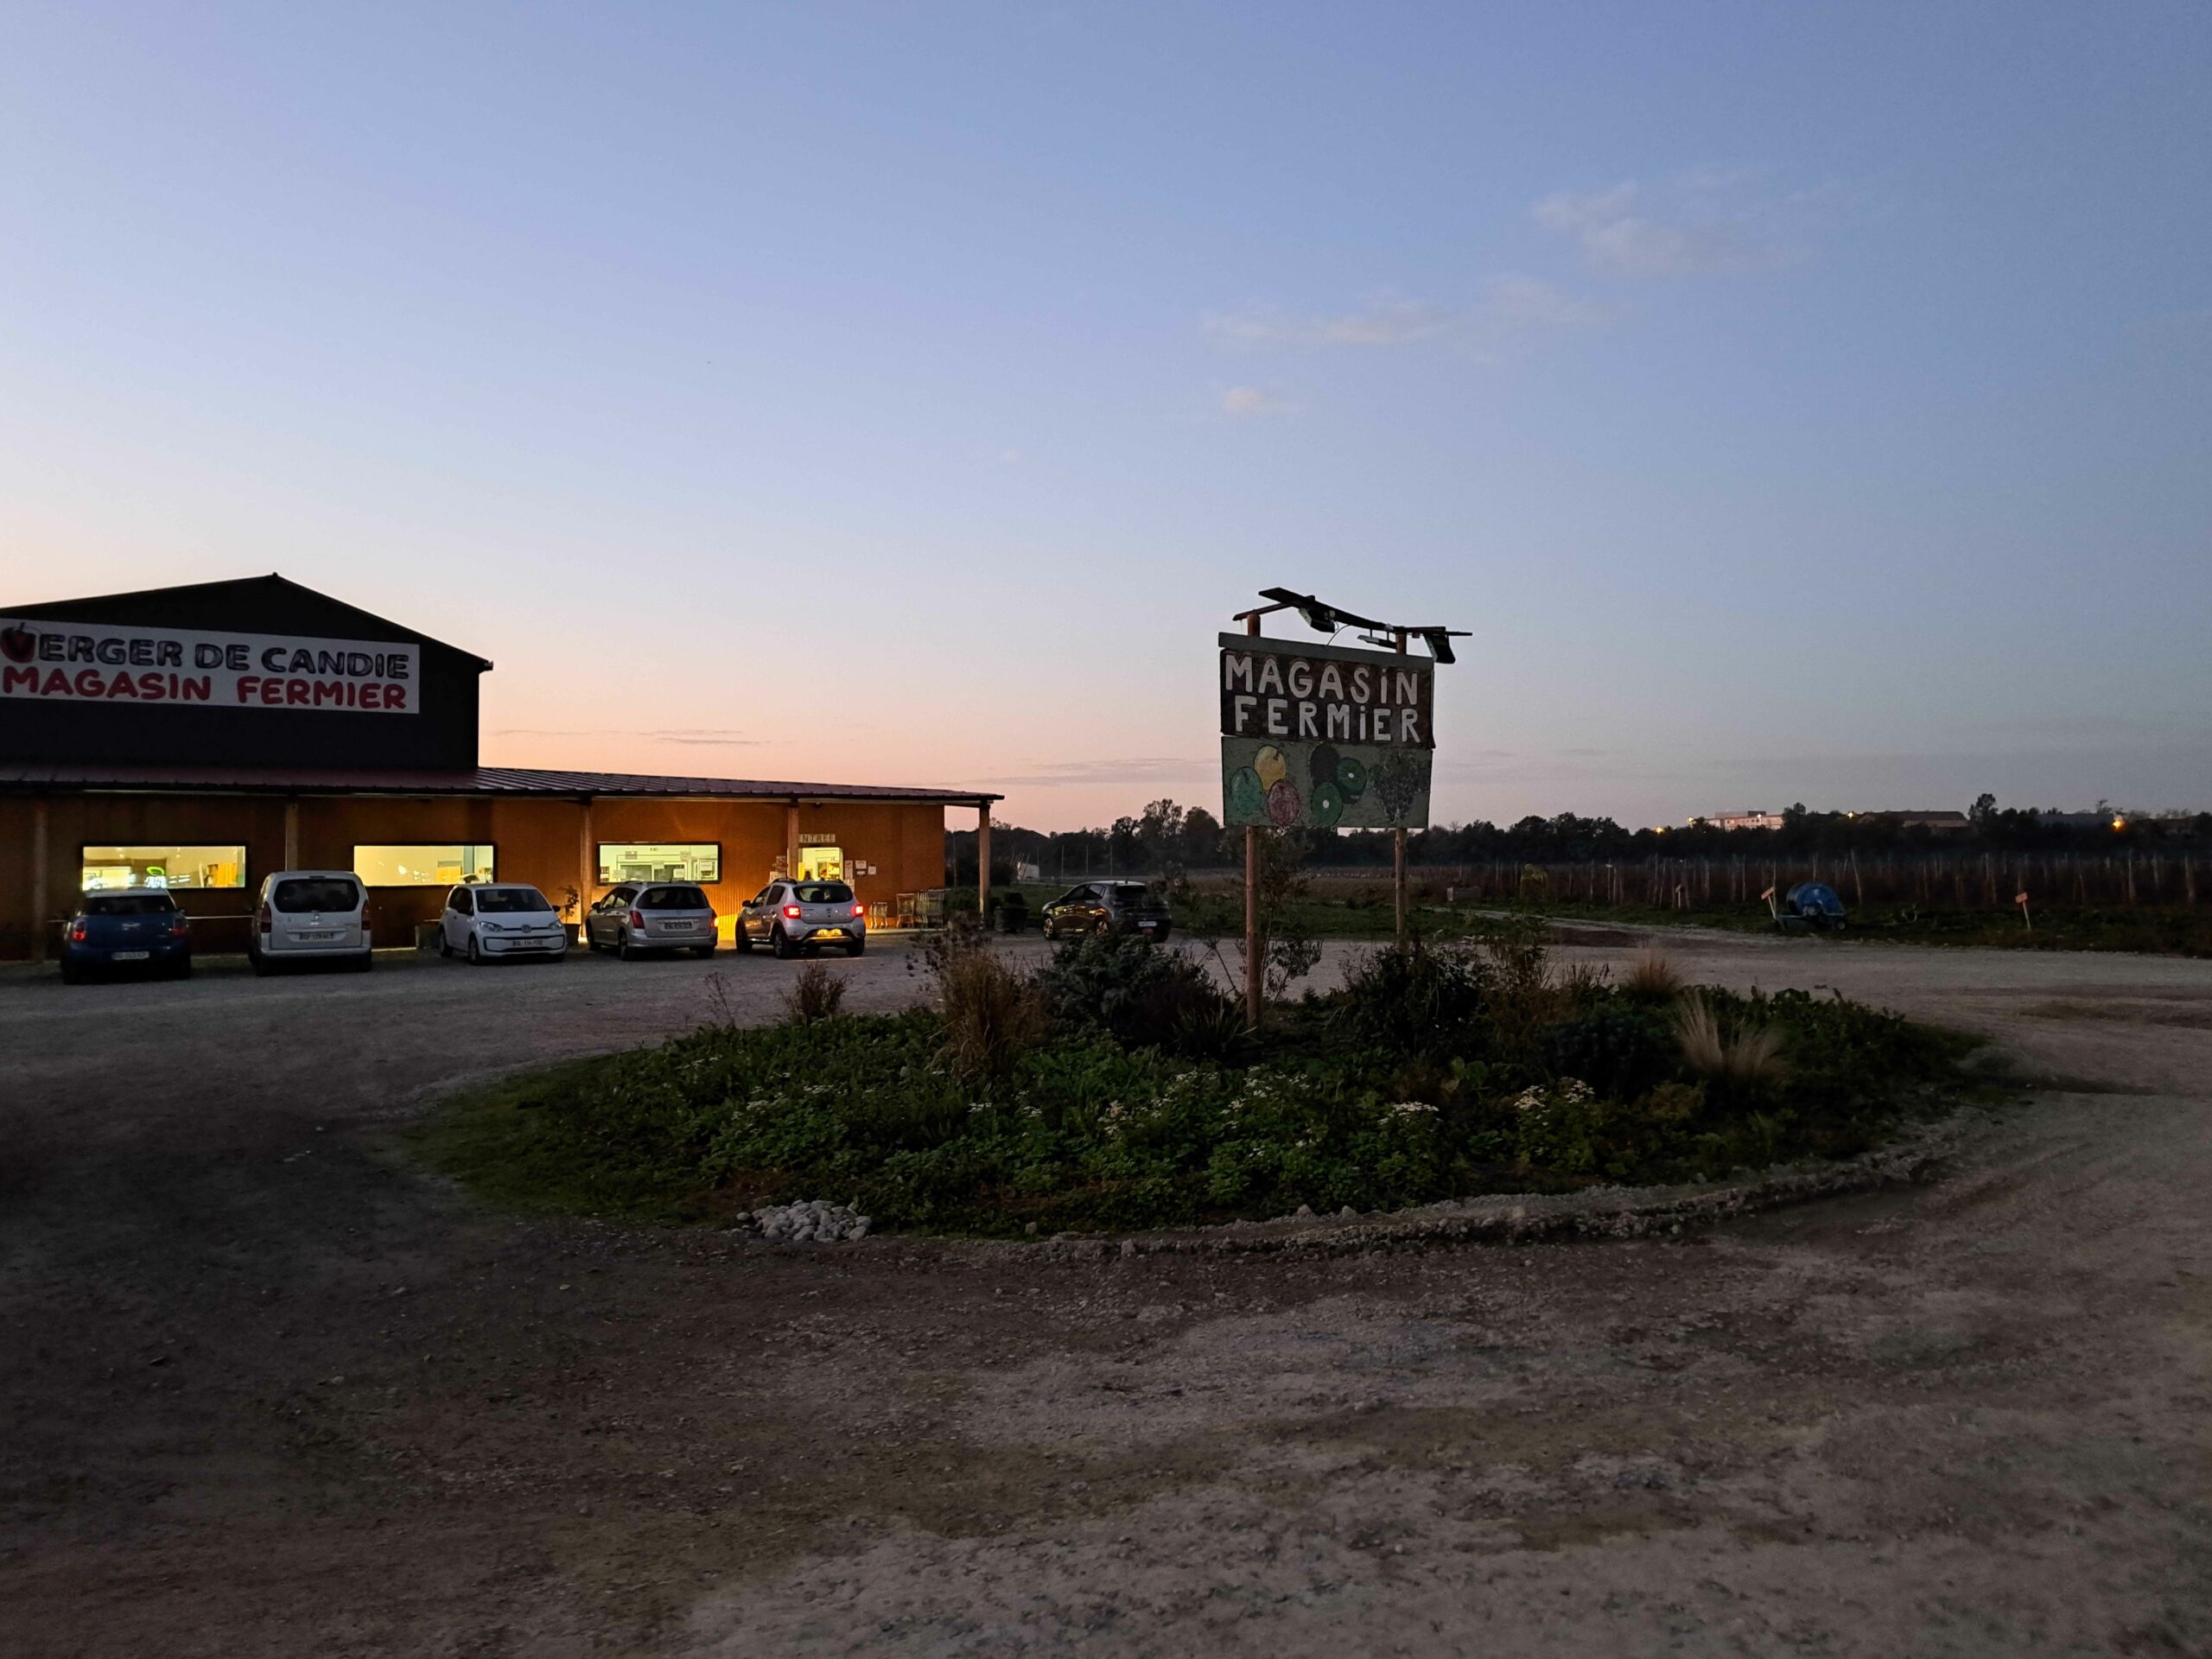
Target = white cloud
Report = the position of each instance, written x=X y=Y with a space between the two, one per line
x=1512 y=303
x=1148 y=769
x=1507 y=306
x=1388 y=320
x=1714 y=219
x=1237 y=402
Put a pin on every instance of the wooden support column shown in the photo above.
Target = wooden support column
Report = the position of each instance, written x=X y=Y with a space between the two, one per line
x=38 y=879
x=1255 y=980
x=587 y=862
x=790 y=841
x=982 y=861
x=291 y=835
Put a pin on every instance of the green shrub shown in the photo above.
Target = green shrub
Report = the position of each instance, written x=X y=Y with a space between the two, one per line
x=1620 y=1048
x=1145 y=995
x=1413 y=998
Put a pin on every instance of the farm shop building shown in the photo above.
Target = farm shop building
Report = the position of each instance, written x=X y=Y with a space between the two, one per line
x=202 y=737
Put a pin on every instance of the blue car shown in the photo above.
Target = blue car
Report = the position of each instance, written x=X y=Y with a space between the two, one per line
x=126 y=927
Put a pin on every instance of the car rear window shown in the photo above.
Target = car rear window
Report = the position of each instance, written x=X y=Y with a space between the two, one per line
x=673 y=899
x=130 y=904
x=1132 y=892
x=315 y=893
x=504 y=901
x=824 y=893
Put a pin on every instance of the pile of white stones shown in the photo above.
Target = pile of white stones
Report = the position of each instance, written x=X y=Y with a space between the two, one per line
x=811 y=1219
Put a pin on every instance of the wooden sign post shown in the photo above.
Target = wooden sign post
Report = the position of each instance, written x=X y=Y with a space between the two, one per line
x=1325 y=737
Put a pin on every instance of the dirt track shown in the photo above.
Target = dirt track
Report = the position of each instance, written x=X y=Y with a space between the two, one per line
x=270 y=1393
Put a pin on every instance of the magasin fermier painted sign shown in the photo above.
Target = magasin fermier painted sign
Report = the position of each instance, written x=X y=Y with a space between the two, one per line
x=1324 y=736
x=114 y=666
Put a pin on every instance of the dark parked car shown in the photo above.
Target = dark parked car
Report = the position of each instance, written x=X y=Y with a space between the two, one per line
x=1108 y=907
x=127 y=927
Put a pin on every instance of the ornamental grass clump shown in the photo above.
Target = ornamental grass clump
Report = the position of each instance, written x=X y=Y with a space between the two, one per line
x=816 y=994
x=993 y=1013
x=1740 y=1064
x=1653 y=977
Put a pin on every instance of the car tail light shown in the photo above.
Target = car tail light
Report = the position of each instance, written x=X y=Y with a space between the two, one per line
x=791 y=911
x=78 y=933
x=263 y=920
x=180 y=924
x=859 y=909
x=636 y=920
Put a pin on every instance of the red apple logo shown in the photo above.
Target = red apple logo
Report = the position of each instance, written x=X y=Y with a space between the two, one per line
x=18 y=645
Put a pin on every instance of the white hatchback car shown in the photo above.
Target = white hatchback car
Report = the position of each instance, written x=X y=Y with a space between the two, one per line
x=310 y=916
x=496 y=920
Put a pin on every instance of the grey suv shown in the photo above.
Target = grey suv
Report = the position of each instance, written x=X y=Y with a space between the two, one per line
x=793 y=917
x=641 y=917
x=1108 y=907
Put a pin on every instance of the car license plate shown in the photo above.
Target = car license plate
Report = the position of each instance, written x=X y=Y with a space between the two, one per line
x=129 y=955
x=676 y=927
x=331 y=935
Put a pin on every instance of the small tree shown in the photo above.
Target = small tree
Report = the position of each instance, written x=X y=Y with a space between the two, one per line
x=1287 y=949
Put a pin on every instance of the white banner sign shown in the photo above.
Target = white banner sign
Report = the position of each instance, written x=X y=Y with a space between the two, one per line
x=111 y=663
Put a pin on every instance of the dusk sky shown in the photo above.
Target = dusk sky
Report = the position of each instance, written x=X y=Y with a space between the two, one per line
x=1796 y=403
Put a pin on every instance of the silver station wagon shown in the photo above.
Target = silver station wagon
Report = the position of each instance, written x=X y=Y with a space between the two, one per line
x=642 y=918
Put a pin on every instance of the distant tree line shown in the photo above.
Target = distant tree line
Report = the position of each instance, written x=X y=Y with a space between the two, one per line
x=1166 y=838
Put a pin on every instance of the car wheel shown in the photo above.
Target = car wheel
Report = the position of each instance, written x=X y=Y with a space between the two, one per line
x=445 y=945
x=1105 y=928
x=475 y=952
x=703 y=950
x=368 y=961
x=622 y=948
x=71 y=973
x=260 y=964
x=857 y=946
x=780 y=943
x=742 y=939
x=181 y=970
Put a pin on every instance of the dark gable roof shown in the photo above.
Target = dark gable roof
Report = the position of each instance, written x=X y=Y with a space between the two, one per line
x=484 y=780
x=269 y=604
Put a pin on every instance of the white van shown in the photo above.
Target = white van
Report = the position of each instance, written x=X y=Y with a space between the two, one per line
x=311 y=916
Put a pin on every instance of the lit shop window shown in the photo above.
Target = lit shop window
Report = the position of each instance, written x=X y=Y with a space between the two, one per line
x=430 y=864
x=659 y=861
x=163 y=867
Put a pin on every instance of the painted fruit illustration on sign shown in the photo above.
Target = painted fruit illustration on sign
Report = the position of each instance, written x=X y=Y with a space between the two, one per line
x=1283 y=804
x=1247 y=796
x=1322 y=764
x=1325 y=805
x=20 y=643
x=1271 y=765
x=1351 y=777
x=1397 y=781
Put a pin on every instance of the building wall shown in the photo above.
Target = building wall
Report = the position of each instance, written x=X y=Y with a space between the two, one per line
x=538 y=840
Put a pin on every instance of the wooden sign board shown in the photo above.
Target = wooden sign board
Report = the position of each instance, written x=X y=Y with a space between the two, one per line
x=1323 y=736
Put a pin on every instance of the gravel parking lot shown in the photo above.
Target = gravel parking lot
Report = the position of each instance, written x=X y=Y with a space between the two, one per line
x=270 y=1391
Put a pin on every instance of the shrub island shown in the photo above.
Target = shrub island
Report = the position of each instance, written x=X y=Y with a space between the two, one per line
x=1117 y=1089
